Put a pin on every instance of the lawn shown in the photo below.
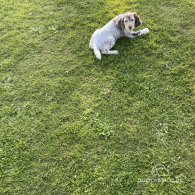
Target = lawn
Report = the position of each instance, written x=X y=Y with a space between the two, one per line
x=71 y=124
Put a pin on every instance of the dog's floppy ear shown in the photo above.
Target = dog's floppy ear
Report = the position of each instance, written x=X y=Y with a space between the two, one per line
x=137 y=20
x=119 y=21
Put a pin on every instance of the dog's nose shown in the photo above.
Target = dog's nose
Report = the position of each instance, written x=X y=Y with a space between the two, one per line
x=130 y=27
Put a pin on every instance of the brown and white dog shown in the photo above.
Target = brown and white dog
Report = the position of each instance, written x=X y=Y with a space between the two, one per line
x=104 y=39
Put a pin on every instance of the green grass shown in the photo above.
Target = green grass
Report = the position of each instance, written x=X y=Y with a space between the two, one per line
x=73 y=125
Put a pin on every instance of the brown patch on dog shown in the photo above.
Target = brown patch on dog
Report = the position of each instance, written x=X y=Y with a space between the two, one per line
x=129 y=17
x=120 y=24
x=137 y=20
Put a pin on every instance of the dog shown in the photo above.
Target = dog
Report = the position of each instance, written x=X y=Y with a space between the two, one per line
x=104 y=39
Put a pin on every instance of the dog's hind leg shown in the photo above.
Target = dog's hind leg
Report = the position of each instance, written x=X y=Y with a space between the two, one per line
x=108 y=45
x=113 y=52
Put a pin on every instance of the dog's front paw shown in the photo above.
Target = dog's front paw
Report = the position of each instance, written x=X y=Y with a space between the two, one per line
x=145 y=31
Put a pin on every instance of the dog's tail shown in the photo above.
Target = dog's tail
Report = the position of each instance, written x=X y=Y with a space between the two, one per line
x=97 y=52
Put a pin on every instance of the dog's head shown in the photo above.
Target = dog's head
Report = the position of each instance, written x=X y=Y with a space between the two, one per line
x=127 y=21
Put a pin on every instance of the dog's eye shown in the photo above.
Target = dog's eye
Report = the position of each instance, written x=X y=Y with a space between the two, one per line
x=126 y=21
x=132 y=20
